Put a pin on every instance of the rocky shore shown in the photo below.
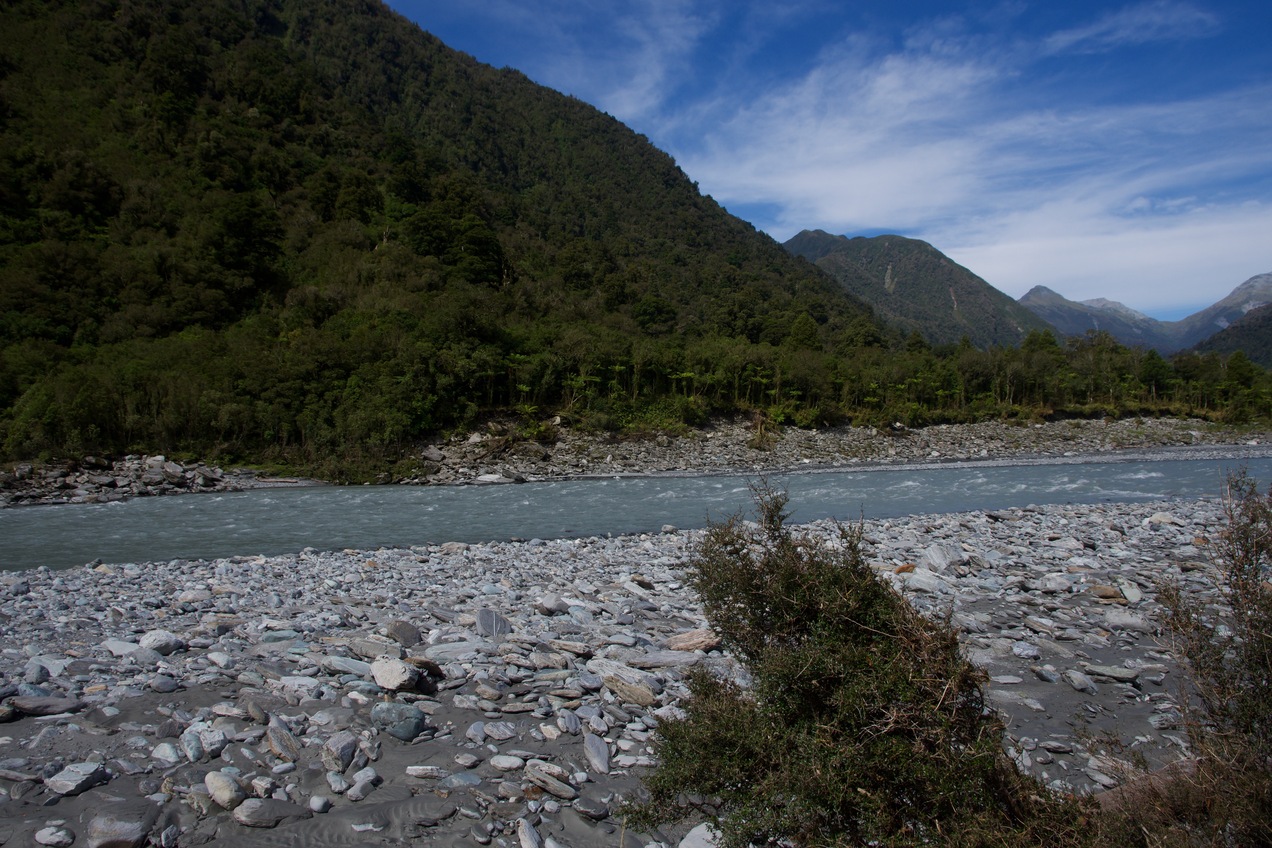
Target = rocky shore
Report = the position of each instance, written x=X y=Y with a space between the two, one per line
x=493 y=456
x=506 y=693
x=736 y=446
x=95 y=480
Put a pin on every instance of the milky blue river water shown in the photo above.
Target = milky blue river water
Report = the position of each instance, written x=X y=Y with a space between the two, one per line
x=273 y=521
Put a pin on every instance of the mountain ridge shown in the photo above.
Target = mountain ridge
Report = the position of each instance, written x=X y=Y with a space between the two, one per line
x=917 y=288
x=1132 y=327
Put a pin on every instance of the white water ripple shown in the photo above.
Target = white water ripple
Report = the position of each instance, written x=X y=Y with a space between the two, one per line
x=273 y=521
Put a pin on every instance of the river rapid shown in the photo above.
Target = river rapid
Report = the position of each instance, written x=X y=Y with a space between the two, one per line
x=274 y=521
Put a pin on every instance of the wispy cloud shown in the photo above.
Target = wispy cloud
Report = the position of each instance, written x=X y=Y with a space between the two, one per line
x=624 y=59
x=861 y=140
x=663 y=36
x=935 y=140
x=1158 y=21
x=1032 y=155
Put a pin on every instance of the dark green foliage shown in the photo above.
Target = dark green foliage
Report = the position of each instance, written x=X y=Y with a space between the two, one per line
x=1251 y=334
x=864 y=725
x=323 y=230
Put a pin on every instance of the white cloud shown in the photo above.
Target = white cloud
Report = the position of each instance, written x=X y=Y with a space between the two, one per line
x=663 y=35
x=1163 y=265
x=860 y=141
x=623 y=59
x=1157 y=21
x=934 y=143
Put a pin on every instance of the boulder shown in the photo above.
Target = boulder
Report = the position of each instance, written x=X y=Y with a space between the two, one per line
x=45 y=705
x=120 y=830
x=162 y=642
x=224 y=789
x=268 y=812
x=77 y=778
x=703 y=639
x=393 y=674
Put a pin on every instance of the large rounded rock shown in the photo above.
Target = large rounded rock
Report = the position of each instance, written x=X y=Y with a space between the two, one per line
x=401 y=721
x=394 y=675
x=110 y=830
x=224 y=789
x=55 y=837
x=162 y=642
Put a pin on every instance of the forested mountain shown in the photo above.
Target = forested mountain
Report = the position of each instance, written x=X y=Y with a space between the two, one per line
x=1251 y=334
x=1073 y=318
x=917 y=288
x=306 y=231
x=307 y=225
x=1134 y=328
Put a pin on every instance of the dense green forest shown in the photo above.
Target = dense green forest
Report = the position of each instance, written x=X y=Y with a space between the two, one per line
x=1251 y=334
x=304 y=231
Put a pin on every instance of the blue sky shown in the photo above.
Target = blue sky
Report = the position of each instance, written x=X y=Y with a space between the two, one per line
x=1102 y=149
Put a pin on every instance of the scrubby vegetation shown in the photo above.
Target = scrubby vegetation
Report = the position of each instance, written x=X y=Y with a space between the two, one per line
x=860 y=722
x=1222 y=796
x=863 y=724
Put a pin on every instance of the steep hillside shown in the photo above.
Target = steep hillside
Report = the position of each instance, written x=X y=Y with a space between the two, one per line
x=1251 y=334
x=917 y=288
x=307 y=227
x=1250 y=295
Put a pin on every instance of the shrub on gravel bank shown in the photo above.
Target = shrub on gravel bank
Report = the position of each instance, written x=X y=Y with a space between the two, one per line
x=864 y=724
x=1223 y=795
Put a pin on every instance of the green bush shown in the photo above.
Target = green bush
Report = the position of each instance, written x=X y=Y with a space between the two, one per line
x=864 y=724
x=1223 y=795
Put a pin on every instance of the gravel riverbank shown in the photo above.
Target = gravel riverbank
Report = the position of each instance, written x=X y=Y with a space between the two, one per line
x=505 y=693
x=726 y=446
x=734 y=447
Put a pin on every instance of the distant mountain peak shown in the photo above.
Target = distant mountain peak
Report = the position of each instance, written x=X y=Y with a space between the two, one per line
x=1131 y=327
x=1120 y=308
x=1040 y=293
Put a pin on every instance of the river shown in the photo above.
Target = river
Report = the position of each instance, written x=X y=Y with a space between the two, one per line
x=274 y=521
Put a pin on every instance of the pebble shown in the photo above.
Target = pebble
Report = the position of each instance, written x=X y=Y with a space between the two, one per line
x=487 y=457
